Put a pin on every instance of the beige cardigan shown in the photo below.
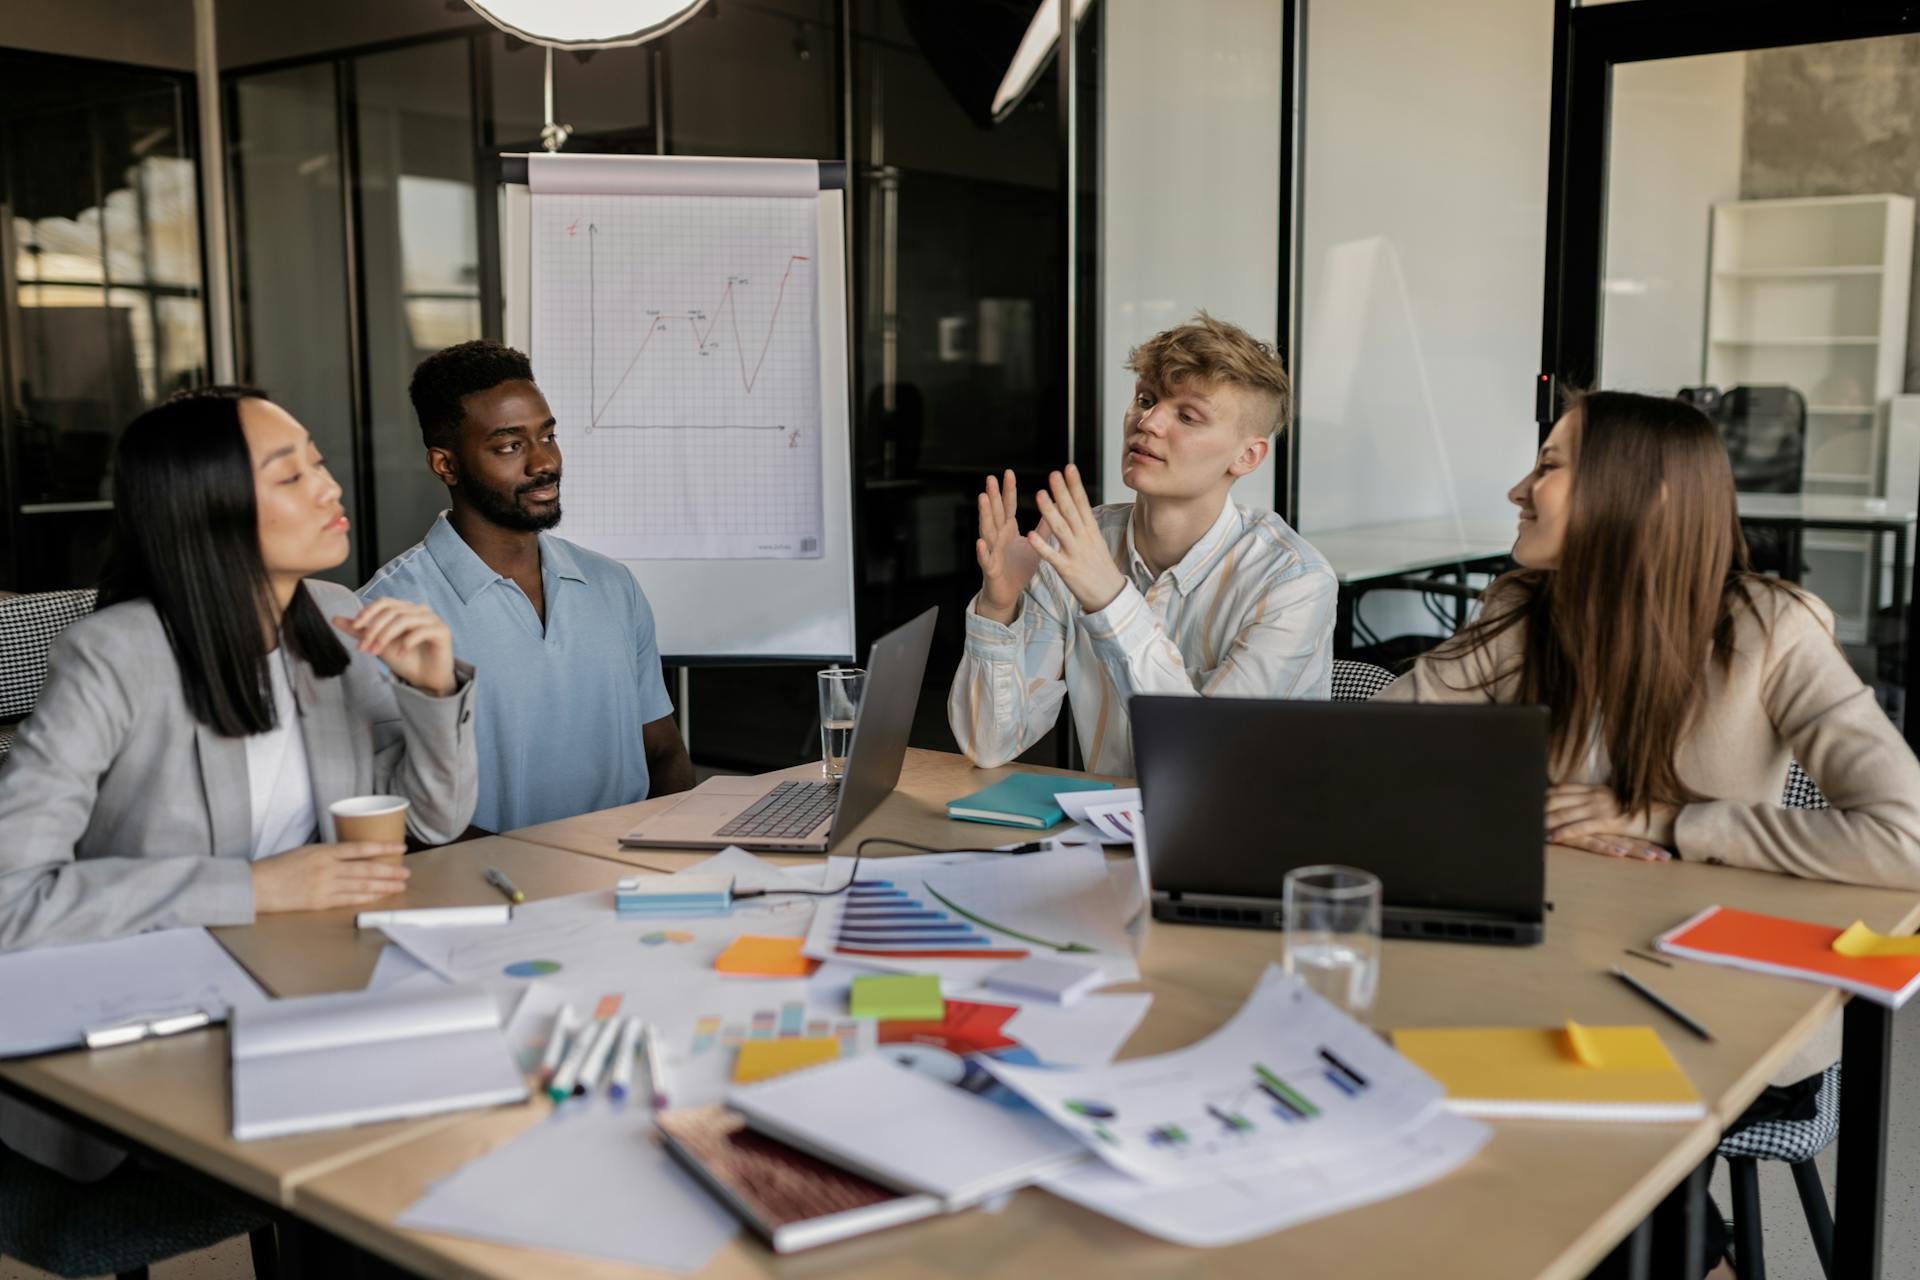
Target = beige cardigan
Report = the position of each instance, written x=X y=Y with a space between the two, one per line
x=1788 y=692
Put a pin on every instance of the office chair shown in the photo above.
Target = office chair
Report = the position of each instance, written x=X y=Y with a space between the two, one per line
x=28 y=626
x=1765 y=430
x=117 y=1226
x=1796 y=1142
x=1358 y=681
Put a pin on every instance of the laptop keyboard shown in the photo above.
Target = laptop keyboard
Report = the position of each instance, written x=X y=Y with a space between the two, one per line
x=789 y=811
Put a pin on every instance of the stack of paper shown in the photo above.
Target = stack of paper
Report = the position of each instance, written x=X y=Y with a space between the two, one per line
x=1884 y=970
x=657 y=895
x=1570 y=1073
x=50 y=997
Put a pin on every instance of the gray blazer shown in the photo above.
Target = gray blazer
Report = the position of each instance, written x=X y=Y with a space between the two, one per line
x=122 y=813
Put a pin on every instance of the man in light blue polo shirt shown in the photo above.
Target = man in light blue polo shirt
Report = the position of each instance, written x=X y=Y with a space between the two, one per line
x=573 y=715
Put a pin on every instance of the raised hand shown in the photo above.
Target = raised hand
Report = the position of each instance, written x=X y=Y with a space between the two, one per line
x=1007 y=560
x=410 y=638
x=1078 y=553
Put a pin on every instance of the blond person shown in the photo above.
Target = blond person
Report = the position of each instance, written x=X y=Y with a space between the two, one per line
x=1182 y=591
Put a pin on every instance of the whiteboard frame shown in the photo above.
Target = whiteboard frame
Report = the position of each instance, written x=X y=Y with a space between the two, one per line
x=681 y=591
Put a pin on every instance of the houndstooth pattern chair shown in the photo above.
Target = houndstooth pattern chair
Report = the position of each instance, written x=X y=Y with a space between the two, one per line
x=28 y=627
x=1793 y=1142
x=1358 y=681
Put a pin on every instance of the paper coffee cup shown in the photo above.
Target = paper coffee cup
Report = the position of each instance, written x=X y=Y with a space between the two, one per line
x=381 y=818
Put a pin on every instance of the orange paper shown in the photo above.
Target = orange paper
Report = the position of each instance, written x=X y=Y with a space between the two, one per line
x=1792 y=948
x=756 y=957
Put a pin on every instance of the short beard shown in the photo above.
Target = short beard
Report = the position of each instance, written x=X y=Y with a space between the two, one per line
x=505 y=509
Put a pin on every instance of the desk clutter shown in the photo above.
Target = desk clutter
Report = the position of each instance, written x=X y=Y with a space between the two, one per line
x=820 y=1064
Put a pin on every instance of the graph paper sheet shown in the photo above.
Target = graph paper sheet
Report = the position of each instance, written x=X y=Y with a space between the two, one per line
x=676 y=337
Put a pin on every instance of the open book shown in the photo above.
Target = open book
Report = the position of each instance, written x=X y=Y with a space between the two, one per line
x=325 y=1062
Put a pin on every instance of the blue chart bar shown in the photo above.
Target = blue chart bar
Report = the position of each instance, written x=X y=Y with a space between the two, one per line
x=1341 y=1083
x=903 y=928
x=852 y=916
x=878 y=916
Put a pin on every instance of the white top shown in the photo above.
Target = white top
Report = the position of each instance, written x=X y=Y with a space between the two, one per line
x=1247 y=613
x=278 y=784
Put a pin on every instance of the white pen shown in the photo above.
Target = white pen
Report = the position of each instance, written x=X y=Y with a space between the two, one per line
x=560 y=1088
x=563 y=1025
x=500 y=914
x=622 y=1082
x=656 y=1071
x=597 y=1056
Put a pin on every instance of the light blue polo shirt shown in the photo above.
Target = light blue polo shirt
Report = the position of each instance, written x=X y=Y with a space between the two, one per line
x=557 y=710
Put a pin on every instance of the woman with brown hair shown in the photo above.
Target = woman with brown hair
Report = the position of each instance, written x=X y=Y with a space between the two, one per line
x=1679 y=685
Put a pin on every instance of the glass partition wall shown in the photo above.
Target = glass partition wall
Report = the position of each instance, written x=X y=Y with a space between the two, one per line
x=1758 y=258
x=100 y=294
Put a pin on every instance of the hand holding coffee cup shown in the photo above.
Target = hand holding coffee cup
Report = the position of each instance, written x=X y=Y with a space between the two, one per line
x=382 y=819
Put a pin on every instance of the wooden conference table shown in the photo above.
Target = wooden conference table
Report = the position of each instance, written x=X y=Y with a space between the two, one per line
x=1541 y=1200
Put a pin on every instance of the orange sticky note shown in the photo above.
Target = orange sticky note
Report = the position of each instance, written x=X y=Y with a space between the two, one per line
x=762 y=1059
x=756 y=957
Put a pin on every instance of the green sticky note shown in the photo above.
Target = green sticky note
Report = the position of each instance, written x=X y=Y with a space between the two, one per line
x=903 y=997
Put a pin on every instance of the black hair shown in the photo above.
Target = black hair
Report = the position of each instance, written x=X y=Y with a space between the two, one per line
x=186 y=539
x=445 y=378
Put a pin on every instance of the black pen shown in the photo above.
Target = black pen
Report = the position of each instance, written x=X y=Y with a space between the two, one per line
x=1665 y=1006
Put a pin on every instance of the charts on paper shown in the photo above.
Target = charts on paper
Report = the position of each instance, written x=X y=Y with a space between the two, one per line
x=677 y=340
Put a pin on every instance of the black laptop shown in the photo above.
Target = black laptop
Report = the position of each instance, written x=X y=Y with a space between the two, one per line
x=1446 y=804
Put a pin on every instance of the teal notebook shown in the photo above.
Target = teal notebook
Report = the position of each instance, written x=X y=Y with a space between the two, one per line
x=1023 y=800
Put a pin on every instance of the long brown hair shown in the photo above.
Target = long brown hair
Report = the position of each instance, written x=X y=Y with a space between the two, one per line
x=1652 y=571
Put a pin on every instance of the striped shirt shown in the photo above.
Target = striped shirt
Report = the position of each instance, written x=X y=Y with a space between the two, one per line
x=1247 y=613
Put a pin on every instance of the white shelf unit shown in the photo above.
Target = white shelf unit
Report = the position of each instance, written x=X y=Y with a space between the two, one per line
x=1812 y=293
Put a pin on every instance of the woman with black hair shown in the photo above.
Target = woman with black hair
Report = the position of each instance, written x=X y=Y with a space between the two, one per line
x=193 y=732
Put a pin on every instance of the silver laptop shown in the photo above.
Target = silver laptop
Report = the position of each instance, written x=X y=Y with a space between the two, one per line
x=774 y=811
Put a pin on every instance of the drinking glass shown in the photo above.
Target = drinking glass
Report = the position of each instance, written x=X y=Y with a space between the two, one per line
x=1332 y=920
x=840 y=690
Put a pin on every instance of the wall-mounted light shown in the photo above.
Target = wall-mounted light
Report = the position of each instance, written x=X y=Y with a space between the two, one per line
x=586 y=24
x=1035 y=48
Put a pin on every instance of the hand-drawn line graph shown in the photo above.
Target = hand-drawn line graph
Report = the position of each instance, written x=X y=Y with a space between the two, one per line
x=677 y=340
x=702 y=339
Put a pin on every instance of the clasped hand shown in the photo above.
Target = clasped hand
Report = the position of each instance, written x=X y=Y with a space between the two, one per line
x=1588 y=816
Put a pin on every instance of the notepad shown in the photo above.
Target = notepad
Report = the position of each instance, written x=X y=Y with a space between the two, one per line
x=906 y=1130
x=765 y=1059
x=754 y=956
x=912 y=997
x=1798 y=949
x=791 y=1199
x=1021 y=800
x=1573 y=1072
x=325 y=1062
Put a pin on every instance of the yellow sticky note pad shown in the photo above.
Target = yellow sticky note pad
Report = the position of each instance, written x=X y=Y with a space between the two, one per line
x=1859 y=942
x=1618 y=1048
x=763 y=1059
x=753 y=956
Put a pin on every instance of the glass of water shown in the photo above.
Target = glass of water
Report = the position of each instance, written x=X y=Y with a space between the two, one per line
x=1332 y=919
x=840 y=690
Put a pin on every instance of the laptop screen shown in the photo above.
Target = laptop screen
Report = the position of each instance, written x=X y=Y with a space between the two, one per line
x=896 y=666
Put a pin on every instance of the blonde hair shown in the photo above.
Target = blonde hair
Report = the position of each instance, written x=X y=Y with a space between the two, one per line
x=1215 y=353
